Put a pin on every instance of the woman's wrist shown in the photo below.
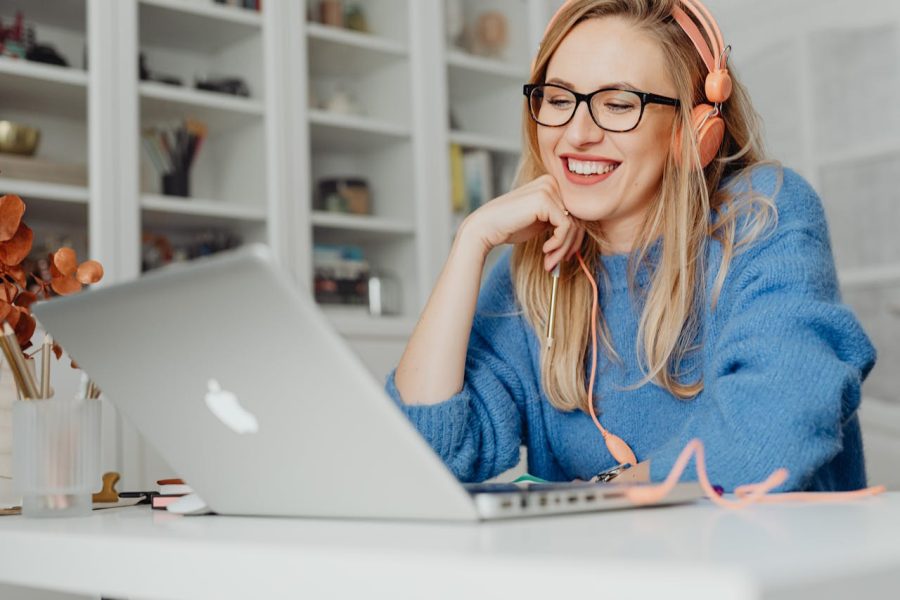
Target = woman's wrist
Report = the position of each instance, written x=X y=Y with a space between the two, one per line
x=469 y=243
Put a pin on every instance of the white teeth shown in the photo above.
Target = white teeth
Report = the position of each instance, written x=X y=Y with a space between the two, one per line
x=583 y=167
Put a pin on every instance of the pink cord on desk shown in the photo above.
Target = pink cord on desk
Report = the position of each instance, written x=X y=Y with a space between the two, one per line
x=648 y=494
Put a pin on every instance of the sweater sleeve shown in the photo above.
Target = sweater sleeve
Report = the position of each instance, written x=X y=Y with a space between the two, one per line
x=787 y=364
x=477 y=431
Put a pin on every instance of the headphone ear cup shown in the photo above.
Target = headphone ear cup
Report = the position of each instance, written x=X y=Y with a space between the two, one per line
x=709 y=134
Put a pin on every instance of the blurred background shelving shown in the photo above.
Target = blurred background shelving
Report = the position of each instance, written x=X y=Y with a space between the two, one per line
x=52 y=98
x=180 y=44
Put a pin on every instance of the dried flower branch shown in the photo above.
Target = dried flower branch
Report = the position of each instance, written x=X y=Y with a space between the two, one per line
x=67 y=274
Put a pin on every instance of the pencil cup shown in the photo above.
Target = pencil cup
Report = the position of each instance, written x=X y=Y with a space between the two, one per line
x=56 y=455
x=177 y=183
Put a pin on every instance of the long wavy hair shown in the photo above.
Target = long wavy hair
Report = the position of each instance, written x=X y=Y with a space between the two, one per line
x=689 y=210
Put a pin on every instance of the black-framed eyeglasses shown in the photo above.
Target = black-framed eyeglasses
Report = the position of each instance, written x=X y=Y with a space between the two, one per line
x=612 y=109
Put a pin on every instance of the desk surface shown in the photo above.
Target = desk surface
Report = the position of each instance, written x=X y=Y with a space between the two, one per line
x=695 y=551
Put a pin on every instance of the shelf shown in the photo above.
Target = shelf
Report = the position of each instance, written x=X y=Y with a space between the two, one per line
x=161 y=102
x=362 y=224
x=355 y=321
x=868 y=277
x=65 y=14
x=48 y=201
x=46 y=191
x=333 y=50
x=457 y=59
x=484 y=142
x=39 y=87
x=193 y=26
x=168 y=211
x=332 y=131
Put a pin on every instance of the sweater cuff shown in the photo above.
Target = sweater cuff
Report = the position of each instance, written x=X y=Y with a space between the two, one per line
x=442 y=425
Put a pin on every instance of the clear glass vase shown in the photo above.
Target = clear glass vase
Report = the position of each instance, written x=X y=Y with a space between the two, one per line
x=56 y=455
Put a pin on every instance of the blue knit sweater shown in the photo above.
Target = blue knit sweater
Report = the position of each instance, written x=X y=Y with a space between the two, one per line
x=782 y=361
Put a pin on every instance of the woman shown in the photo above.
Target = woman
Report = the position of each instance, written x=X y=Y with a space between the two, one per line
x=719 y=314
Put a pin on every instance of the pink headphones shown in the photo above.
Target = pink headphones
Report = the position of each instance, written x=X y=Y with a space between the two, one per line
x=708 y=126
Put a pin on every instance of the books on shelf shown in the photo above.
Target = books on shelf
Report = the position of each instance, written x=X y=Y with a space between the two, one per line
x=43 y=170
x=472 y=177
x=249 y=4
x=457 y=179
x=341 y=274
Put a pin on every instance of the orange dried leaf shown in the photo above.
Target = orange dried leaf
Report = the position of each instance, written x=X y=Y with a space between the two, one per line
x=5 y=309
x=90 y=271
x=13 y=251
x=65 y=261
x=26 y=299
x=65 y=286
x=11 y=210
x=8 y=292
x=18 y=274
x=13 y=317
x=25 y=329
x=54 y=272
x=57 y=350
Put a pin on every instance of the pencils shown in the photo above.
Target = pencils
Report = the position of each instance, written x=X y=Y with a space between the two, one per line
x=174 y=150
x=22 y=374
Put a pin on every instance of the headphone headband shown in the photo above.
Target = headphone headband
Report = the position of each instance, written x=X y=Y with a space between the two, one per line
x=713 y=52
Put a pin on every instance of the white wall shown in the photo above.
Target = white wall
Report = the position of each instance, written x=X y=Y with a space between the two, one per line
x=825 y=77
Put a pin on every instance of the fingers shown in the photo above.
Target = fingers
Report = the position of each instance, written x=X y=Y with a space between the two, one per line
x=561 y=247
x=567 y=234
x=566 y=248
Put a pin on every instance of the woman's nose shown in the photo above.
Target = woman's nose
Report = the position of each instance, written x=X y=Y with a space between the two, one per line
x=582 y=129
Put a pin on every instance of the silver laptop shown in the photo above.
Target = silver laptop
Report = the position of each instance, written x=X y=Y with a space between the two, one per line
x=243 y=387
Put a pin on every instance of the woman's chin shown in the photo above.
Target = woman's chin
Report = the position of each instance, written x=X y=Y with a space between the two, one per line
x=587 y=208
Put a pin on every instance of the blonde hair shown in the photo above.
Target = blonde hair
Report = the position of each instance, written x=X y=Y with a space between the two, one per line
x=681 y=217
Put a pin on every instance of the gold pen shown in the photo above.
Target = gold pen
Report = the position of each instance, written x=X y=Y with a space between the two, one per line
x=550 y=317
x=46 y=350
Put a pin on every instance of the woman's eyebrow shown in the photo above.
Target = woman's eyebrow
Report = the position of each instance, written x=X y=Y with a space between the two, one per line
x=615 y=84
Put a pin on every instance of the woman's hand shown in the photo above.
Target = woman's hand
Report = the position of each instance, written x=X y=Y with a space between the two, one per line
x=523 y=213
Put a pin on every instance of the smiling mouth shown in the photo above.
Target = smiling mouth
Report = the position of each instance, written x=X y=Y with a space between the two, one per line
x=588 y=168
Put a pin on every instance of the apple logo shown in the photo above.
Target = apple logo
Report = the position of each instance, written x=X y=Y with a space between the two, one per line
x=226 y=407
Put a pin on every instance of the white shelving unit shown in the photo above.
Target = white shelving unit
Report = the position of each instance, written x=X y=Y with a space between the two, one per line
x=192 y=40
x=53 y=99
x=374 y=142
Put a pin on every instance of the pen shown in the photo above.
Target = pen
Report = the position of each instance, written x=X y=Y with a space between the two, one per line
x=46 y=349
x=550 y=317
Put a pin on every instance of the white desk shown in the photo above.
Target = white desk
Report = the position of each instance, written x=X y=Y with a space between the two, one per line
x=847 y=550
